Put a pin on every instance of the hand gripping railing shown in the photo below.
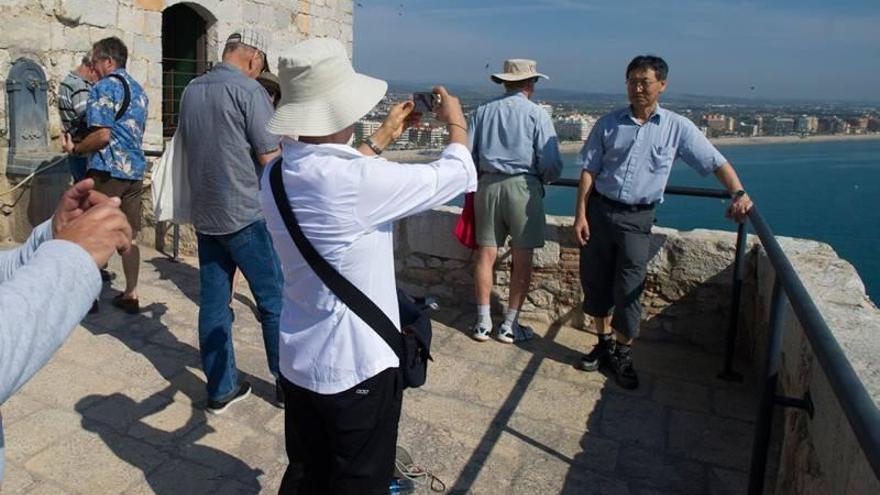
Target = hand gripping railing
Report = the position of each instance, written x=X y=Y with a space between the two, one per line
x=858 y=406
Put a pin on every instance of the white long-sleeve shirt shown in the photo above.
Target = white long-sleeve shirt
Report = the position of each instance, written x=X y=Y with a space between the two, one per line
x=46 y=288
x=346 y=204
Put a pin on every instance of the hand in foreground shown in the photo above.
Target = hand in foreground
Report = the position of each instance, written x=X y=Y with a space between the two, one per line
x=67 y=144
x=449 y=111
x=399 y=119
x=76 y=201
x=581 y=231
x=739 y=208
x=101 y=231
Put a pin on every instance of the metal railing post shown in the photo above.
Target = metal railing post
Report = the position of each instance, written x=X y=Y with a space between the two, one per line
x=733 y=326
x=767 y=401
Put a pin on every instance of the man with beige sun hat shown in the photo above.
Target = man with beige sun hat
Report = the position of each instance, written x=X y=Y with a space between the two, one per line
x=342 y=382
x=515 y=148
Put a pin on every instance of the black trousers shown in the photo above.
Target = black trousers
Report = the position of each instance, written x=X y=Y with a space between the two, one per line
x=614 y=262
x=342 y=443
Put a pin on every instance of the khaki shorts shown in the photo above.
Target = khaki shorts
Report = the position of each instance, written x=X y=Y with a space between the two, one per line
x=129 y=191
x=510 y=205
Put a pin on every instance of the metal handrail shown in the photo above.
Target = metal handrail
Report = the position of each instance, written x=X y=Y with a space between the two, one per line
x=859 y=408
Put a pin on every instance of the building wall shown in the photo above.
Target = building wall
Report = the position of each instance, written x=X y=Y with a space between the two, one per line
x=56 y=33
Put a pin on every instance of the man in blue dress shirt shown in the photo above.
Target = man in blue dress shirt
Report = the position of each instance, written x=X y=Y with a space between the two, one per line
x=516 y=151
x=626 y=163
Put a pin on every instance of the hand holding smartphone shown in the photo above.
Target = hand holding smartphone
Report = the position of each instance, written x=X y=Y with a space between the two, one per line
x=425 y=102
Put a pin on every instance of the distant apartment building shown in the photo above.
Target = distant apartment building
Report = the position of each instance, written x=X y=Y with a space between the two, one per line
x=547 y=108
x=574 y=128
x=839 y=126
x=365 y=128
x=780 y=126
x=747 y=129
x=874 y=125
x=806 y=124
x=425 y=136
x=858 y=125
x=718 y=124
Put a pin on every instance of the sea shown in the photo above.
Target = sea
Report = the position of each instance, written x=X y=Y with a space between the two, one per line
x=827 y=191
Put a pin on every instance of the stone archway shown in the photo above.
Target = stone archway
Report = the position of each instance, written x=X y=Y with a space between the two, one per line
x=185 y=55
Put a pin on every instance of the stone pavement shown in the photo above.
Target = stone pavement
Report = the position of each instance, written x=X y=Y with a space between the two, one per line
x=120 y=410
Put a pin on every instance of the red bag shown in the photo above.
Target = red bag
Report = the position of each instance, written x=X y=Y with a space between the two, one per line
x=465 y=229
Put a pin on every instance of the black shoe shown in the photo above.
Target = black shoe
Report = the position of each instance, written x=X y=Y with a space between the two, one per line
x=279 y=394
x=95 y=307
x=600 y=355
x=217 y=407
x=622 y=367
x=107 y=275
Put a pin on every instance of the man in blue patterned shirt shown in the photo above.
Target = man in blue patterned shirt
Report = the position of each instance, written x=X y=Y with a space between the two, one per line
x=626 y=163
x=117 y=116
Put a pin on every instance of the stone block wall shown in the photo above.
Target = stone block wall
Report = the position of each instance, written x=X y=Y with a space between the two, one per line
x=687 y=291
x=57 y=33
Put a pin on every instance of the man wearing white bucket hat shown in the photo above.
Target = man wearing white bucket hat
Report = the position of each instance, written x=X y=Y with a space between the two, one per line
x=516 y=151
x=223 y=117
x=342 y=382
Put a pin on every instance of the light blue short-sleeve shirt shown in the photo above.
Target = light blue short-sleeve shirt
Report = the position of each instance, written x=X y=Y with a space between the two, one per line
x=632 y=161
x=512 y=135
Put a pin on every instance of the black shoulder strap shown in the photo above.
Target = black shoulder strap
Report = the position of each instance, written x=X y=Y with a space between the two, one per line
x=356 y=300
x=126 y=100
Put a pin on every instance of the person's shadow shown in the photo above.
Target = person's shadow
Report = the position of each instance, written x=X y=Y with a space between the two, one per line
x=171 y=461
x=189 y=468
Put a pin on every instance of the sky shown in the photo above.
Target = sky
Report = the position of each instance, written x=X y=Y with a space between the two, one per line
x=782 y=49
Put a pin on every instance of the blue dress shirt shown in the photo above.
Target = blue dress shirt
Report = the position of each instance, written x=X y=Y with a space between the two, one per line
x=512 y=135
x=631 y=161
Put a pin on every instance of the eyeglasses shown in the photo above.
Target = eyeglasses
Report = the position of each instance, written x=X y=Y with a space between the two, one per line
x=644 y=83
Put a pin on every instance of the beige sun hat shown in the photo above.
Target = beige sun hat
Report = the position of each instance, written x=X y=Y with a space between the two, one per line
x=321 y=94
x=518 y=69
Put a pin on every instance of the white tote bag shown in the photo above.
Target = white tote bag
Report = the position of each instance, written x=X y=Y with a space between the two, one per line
x=171 y=191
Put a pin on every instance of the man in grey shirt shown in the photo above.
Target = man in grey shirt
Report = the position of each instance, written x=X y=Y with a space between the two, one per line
x=223 y=116
x=48 y=284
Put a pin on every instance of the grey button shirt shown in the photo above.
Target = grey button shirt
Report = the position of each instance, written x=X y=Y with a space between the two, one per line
x=632 y=161
x=223 y=116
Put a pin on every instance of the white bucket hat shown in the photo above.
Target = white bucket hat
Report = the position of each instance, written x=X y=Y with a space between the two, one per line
x=321 y=94
x=518 y=69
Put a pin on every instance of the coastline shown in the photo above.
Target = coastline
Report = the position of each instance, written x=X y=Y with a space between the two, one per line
x=424 y=155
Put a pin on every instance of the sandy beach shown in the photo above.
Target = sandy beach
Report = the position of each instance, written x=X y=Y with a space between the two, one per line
x=575 y=146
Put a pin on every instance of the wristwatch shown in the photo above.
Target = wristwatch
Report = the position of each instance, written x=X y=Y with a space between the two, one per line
x=738 y=194
x=377 y=150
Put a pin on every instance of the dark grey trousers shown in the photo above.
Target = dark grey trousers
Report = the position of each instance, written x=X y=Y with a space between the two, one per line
x=614 y=262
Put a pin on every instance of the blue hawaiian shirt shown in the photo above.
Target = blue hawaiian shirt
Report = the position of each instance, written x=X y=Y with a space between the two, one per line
x=124 y=156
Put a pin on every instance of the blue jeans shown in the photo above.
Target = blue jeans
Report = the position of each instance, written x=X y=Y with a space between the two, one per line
x=78 y=166
x=251 y=250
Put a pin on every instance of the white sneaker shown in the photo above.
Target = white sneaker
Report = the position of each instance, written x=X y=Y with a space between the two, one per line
x=480 y=333
x=514 y=333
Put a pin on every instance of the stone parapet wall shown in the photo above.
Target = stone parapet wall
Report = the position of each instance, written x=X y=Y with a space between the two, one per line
x=57 y=33
x=687 y=292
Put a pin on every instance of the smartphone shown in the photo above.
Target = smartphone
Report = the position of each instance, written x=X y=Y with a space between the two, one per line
x=425 y=102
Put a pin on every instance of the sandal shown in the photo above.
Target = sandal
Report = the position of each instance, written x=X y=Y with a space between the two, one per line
x=130 y=306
